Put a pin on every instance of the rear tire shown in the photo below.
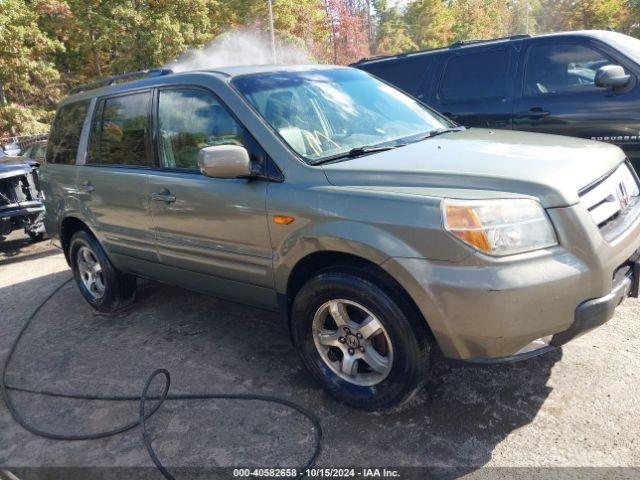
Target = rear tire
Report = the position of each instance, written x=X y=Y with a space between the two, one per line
x=400 y=347
x=100 y=283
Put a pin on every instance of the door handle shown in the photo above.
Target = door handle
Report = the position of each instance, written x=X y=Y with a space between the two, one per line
x=86 y=187
x=535 y=112
x=163 y=196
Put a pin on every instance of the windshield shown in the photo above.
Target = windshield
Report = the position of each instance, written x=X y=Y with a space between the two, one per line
x=328 y=113
x=628 y=45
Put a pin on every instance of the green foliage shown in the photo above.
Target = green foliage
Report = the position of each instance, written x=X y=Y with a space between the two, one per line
x=432 y=23
x=49 y=46
x=28 y=78
x=437 y=23
x=583 y=14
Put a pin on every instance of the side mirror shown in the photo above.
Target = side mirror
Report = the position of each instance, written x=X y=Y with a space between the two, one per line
x=612 y=76
x=224 y=161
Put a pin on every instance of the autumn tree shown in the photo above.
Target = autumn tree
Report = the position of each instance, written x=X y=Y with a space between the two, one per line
x=431 y=23
x=349 y=30
x=49 y=46
x=516 y=18
x=392 y=33
x=632 y=23
x=304 y=23
x=558 y=15
x=479 y=19
x=29 y=86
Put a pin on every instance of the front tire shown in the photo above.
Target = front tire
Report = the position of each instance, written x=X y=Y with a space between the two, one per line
x=100 y=283
x=359 y=338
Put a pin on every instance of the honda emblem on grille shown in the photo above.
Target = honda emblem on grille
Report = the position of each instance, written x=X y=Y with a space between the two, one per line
x=623 y=196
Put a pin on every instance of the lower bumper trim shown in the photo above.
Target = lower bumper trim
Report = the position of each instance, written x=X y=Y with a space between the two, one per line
x=510 y=359
x=594 y=313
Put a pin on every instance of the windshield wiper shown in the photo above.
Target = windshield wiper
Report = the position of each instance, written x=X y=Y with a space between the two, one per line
x=358 y=151
x=439 y=131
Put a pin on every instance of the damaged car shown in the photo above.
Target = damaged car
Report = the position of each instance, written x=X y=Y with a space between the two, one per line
x=21 y=204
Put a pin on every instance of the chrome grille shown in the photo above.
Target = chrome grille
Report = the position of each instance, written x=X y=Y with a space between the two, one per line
x=612 y=196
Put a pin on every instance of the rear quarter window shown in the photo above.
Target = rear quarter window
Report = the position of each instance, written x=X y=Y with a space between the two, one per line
x=65 y=133
x=405 y=73
x=475 y=76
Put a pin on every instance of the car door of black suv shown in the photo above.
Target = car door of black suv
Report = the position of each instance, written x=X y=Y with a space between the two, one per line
x=558 y=93
x=474 y=86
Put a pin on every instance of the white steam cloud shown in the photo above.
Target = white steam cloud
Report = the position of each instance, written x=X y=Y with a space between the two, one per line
x=240 y=47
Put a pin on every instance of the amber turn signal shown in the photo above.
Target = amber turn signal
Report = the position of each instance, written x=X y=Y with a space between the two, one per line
x=282 y=220
x=464 y=223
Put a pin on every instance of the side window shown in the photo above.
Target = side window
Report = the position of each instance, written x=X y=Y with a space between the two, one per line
x=562 y=68
x=404 y=72
x=65 y=133
x=119 y=131
x=475 y=76
x=191 y=119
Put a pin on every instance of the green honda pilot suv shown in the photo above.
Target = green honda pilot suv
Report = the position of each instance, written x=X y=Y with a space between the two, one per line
x=379 y=229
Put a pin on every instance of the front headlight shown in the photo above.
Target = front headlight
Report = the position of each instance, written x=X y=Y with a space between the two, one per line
x=499 y=227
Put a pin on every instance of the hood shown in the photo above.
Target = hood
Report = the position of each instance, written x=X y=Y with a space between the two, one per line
x=551 y=168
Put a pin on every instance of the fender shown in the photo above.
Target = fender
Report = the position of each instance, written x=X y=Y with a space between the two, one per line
x=341 y=236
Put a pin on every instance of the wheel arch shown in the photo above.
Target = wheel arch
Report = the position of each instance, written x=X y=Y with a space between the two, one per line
x=312 y=263
x=68 y=226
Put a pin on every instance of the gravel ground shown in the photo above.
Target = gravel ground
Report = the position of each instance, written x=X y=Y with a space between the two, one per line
x=575 y=410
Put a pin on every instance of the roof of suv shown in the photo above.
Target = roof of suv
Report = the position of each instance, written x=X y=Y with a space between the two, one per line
x=237 y=71
x=151 y=77
x=474 y=43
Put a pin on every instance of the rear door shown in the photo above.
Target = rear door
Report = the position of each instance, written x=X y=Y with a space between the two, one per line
x=558 y=94
x=58 y=173
x=113 y=179
x=211 y=232
x=474 y=87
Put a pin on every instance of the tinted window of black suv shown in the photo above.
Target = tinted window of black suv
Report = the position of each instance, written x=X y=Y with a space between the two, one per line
x=545 y=84
x=471 y=77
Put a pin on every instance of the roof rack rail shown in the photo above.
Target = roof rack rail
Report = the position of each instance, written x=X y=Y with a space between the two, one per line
x=378 y=57
x=462 y=43
x=153 y=72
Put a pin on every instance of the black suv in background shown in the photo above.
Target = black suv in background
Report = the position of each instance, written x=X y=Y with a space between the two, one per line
x=581 y=84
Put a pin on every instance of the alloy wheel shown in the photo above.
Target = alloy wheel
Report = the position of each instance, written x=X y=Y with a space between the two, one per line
x=91 y=272
x=352 y=342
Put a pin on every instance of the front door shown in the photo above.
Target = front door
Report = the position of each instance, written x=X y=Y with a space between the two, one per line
x=113 y=182
x=559 y=96
x=211 y=233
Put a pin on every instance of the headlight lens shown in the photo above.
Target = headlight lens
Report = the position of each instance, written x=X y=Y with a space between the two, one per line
x=499 y=227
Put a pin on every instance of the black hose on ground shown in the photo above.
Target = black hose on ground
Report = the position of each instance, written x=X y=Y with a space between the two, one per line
x=142 y=399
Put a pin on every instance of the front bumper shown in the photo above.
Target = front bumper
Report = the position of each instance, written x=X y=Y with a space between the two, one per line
x=593 y=313
x=588 y=316
x=21 y=211
x=491 y=310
